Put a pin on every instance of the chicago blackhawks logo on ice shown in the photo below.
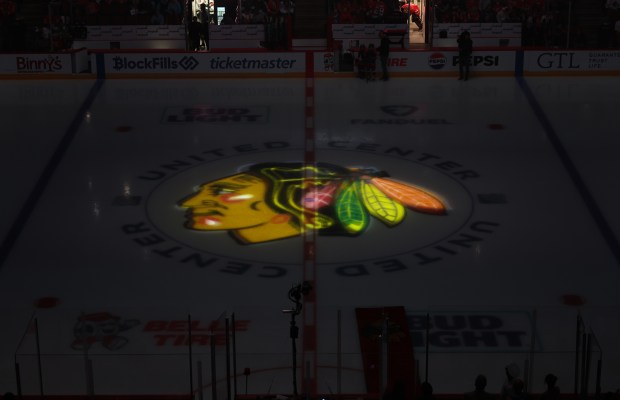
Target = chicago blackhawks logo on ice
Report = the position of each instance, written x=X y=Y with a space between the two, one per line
x=375 y=208
x=275 y=201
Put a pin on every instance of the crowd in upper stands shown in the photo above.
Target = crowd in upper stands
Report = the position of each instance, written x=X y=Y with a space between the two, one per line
x=132 y=12
x=544 y=22
x=368 y=11
x=261 y=11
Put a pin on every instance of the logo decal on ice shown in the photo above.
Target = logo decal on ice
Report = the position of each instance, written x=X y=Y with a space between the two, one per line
x=399 y=111
x=280 y=200
x=216 y=114
x=400 y=114
x=103 y=328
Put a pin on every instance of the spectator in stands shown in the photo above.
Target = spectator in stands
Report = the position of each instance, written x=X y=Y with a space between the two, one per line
x=605 y=34
x=157 y=18
x=552 y=392
x=259 y=16
x=287 y=7
x=227 y=19
x=393 y=12
x=344 y=12
x=245 y=14
x=613 y=4
x=272 y=9
x=359 y=11
x=413 y=10
x=503 y=15
x=384 y=53
x=8 y=10
x=479 y=393
x=16 y=34
x=376 y=11
x=174 y=11
x=465 y=45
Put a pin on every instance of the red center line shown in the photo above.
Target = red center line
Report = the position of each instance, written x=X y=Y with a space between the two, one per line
x=309 y=338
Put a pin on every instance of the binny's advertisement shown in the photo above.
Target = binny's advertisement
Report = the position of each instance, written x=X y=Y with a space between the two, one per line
x=42 y=63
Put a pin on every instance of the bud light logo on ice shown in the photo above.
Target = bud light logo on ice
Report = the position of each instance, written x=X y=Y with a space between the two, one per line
x=447 y=330
x=437 y=61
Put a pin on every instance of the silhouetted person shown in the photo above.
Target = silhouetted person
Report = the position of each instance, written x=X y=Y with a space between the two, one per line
x=466 y=46
x=617 y=32
x=397 y=392
x=384 y=53
x=370 y=62
x=413 y=11
x=518 y=393
x=480 y=393
x=552 y=392
x=512 y=373
x=194 y=32
x=360 y=61
x=227 y=19
x=427 y=391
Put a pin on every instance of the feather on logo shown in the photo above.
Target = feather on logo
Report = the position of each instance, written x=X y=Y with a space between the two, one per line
x=382 y=198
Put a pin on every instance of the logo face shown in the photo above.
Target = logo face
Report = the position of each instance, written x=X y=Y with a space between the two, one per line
x=372 y=206
x=437 y=61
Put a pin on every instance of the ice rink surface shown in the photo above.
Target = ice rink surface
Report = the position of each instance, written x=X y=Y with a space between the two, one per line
x=95 y=231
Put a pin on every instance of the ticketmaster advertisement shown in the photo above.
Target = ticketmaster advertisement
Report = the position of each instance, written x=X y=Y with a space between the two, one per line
x=192 y=63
